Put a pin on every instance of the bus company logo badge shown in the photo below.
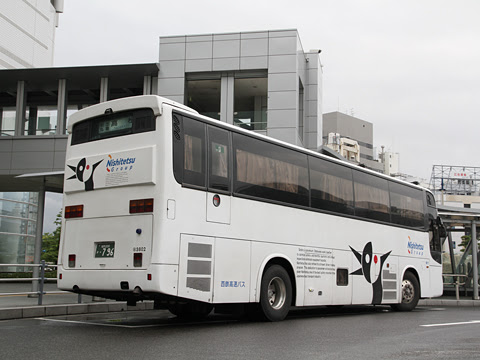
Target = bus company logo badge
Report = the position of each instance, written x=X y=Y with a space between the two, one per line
x=84 y=173
x=119 y=164
x=414 y=248
x=365 y=259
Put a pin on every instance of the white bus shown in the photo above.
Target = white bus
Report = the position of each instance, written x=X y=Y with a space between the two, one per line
x=163 y=204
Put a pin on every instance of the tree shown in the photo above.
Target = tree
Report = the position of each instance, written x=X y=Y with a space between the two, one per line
x=50 y=242
x=465 y=240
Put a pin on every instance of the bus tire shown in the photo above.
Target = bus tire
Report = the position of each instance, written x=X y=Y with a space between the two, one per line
x=275 y=293
x=410 y=293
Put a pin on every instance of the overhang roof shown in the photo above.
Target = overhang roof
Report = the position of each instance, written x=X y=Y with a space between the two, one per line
x=78 y=76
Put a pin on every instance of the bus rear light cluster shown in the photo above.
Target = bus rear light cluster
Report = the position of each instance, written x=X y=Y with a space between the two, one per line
x=141 y=206
x=75 y=211
x=72 y=260
x=137 y=259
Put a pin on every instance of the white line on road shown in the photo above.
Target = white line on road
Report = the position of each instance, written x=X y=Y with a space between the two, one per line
x=455 y=323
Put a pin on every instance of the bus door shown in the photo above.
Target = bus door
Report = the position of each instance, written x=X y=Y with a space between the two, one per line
x=195 y=278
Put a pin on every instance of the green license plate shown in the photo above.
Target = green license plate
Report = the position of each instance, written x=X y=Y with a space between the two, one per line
x=104 y=249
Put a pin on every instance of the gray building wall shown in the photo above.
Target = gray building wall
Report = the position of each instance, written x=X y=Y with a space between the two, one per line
x=355 y=129
x=291 y=116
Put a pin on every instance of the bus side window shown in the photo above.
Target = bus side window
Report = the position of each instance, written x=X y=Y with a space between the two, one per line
x=189 y=152
x=371 y=197
x=331 y=186
x=270 y=171
x=407 y=206
x=218 y=156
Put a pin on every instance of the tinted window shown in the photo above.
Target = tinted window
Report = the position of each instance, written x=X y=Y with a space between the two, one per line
x=112 y=125
x=270 y=171
x=371 y=196
x=189 y=151
x=331 y=186
x=406 y=205
x=430 y=200
x=218 y=155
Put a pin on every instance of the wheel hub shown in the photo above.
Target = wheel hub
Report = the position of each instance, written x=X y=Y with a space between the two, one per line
x=408 y=291
x=277 y=293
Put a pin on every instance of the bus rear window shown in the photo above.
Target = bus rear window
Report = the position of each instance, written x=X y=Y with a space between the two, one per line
x=112 y=125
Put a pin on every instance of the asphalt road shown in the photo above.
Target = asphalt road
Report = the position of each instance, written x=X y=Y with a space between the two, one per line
x=346 y=333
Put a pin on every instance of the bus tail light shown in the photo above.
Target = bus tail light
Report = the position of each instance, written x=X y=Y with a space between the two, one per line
x=137 y=259
x=72 y=260
x=75 y=211
x=141 y=206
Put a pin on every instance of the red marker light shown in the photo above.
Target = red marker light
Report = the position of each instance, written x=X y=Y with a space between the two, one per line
x=141 y=206
x=74 y=211
x=137 y=259
x=72 y=260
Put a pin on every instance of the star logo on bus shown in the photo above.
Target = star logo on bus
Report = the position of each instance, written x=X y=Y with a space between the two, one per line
x=366 y=259
x=84 y=173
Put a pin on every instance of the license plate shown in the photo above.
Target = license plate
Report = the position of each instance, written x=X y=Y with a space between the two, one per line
x=104 y=249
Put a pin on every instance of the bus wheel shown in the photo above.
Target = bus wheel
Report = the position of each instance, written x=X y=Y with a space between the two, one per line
x=410 y=293
x=275 y=293
x=192 y=310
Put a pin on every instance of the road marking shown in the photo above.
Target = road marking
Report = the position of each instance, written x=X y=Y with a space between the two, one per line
x=454 y=324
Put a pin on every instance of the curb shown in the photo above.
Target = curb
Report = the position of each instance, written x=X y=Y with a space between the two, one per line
x=443 y=302
x=69 y=309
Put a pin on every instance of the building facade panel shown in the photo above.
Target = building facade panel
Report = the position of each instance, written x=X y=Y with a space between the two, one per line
x=253 y=62
x=199 y=50
x=283 y=82
x=199 y=65
x=254 y=47
x=172 y=69
x=226 y=64
x=172 y=51
x=226 y=48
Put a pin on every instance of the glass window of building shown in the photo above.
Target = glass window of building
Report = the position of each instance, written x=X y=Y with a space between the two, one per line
x=204 y=96
x=250 y=103
x=7 y=121
x=41 y=120
x=18 y=212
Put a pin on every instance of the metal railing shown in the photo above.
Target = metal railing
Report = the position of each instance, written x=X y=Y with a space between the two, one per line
x=457 y=283
x=40 y=292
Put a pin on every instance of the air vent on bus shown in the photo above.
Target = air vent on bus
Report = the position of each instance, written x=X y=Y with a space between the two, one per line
x=176 y=128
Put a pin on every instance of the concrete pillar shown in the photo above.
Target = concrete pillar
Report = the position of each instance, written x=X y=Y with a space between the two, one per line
x=226 y=98
x=21 y=106
x=104 y=90
x=155 y=85
x=1 y=120
x=32 y=120
x=62 y=105
x=147 y=85
x=475 y=260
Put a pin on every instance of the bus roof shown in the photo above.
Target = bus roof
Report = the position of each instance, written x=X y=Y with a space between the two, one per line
x=156 y=102
x=153 y=102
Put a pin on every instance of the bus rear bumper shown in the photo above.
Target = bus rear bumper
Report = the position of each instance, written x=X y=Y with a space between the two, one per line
x=149 y=283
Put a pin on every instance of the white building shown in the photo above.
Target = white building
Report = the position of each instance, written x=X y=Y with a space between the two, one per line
x=27 y=29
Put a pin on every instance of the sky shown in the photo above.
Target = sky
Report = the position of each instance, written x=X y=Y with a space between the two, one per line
x=410 y=67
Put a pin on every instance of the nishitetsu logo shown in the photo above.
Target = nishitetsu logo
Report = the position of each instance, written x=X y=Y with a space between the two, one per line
x=365 y=259
x=84 y=173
